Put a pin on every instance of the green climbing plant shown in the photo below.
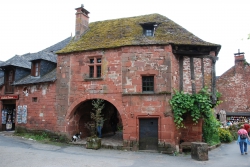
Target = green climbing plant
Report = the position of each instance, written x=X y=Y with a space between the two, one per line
x=197 y=105
x=210 y=129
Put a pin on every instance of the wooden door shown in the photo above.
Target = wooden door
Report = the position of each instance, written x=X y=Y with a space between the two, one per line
x=148 y=134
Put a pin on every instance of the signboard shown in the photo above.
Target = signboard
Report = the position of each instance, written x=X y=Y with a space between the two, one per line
x=8 y=97
x=4 y=116
x=22 y=114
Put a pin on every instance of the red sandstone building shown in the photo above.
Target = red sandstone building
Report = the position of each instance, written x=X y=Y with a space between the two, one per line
x=28 y=88
x=235 y=89
x=133 y=64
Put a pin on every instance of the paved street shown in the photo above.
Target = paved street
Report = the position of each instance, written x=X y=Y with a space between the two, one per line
x=16 y=151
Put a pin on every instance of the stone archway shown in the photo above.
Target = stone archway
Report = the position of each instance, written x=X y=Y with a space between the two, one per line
x=117 y=103
x=80 y=116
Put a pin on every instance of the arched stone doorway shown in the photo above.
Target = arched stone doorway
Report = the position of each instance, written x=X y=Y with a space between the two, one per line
x=82 y=115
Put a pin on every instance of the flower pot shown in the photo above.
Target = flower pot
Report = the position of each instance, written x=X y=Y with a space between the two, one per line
x=93 y=143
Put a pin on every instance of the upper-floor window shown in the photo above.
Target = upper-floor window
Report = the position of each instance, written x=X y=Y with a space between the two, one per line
x=149 y=28
x=147 y=83
x=95 y=67
x=148 y=32
x=35 y=69
x=9 y=88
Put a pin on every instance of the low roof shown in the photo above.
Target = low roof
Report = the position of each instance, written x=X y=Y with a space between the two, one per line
x=58 y=46
x=18 y=61
x=44 y=56
x=238 y=113
x=128 y=32
x=49 y=77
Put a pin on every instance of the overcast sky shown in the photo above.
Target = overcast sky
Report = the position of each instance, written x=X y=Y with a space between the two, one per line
x=28 y=26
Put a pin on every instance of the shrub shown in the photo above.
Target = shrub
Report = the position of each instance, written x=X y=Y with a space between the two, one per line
x=225 y=135
x=210 y=130
x=234 y=134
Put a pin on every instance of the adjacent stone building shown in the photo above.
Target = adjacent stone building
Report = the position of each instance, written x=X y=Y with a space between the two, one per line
x=28 y=90
x=235 y=89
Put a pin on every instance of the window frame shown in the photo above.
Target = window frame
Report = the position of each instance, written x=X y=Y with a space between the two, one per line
x=95 y=67
x=148 y=32
x=152 y=88
x=35 y=68
x=149 y=28
x=9 y=78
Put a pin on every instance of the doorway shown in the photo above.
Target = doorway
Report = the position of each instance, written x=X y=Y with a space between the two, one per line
x=8 y=117
x=148 y=134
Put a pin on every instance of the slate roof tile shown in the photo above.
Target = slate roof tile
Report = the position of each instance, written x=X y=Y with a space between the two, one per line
x=45 y=56
x=18 y=61
x=50 y=77
x=58 y=46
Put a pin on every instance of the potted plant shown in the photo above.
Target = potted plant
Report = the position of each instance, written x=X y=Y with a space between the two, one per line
x=94 y=141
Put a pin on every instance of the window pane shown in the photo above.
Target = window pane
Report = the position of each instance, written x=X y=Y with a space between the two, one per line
x=99 y=60
x=148 y=83
x=91 y=61
x=99 y=71
x=149 y=33
x=91 y=71
x=10 y=75
x=36 y=69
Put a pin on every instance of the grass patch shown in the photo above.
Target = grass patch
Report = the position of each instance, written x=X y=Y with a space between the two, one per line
x=45 y=137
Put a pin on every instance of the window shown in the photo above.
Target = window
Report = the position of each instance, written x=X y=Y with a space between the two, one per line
x=35 y=69
x=95 y=68
x=34 y=99
x=148 y=83
x=148 y=33
x=149 y=28
x=9 y=88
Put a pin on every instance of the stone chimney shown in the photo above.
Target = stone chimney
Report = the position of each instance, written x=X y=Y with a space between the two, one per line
x=82 y=21
x=239 y=60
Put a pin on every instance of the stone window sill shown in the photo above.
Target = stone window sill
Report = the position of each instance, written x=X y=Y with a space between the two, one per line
x=93 y=79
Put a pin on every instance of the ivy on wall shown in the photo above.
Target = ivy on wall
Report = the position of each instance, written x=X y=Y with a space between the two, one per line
x=197 y=105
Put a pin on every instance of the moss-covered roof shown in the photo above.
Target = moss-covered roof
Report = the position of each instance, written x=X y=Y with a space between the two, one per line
x=128 y=31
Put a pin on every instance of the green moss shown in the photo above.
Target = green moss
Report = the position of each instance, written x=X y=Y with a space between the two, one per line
x=128 y=32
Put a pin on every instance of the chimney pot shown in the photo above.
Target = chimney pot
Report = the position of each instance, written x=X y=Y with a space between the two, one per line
x=82 y=21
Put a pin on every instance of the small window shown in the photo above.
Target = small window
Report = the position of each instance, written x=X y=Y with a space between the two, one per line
x=35 y=69
x=34 y=99
x=148 y=33
x=149 y=28
x=148 y=83
x=95 y=68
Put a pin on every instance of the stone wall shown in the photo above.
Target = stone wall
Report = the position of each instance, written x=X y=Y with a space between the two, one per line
x=234 y=87
x=40 y=102
x=121 y=85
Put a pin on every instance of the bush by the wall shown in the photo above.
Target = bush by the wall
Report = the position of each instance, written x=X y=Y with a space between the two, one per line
x=210 y=130
x=225 y=135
